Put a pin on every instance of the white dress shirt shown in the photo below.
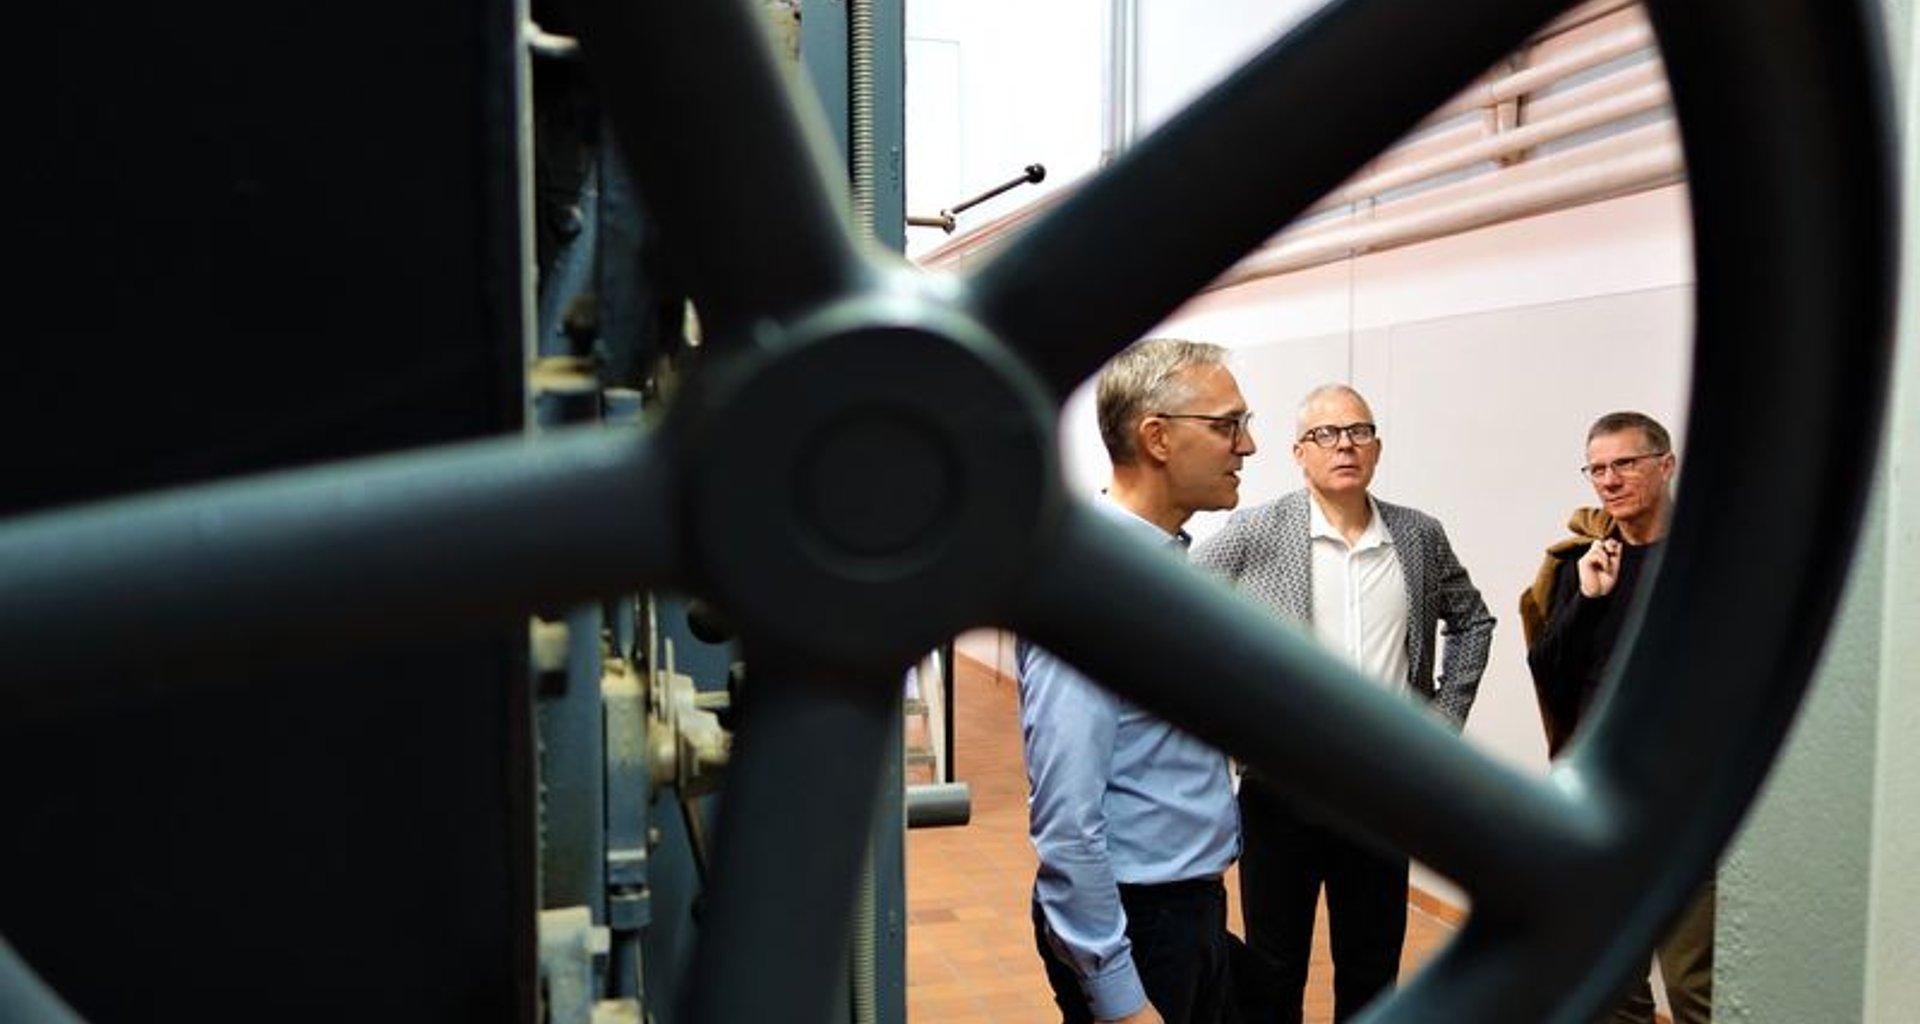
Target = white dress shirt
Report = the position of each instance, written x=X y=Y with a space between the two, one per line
x=1360 y=597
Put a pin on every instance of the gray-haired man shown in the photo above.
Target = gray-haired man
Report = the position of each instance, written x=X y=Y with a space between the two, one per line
x=1373 y=581
x=1133 y=819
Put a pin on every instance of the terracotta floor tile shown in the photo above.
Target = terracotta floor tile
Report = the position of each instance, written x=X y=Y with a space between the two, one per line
x=971 y=958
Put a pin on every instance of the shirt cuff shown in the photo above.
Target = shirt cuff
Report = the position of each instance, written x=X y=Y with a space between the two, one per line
x=1117 y=993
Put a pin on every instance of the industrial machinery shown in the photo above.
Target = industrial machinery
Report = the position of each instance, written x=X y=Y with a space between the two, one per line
x=278 y=739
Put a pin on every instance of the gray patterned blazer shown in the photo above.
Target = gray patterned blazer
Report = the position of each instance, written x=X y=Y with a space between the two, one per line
x=1264 y=551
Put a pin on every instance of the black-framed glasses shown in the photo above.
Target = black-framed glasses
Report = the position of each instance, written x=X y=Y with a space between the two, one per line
x=1231 y=426
x=1618 y=467
x=1361 y=434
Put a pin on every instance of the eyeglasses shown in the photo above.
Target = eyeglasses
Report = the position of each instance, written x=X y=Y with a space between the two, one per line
x=1361 y=434
x=1232 y=426
x=1618 y=467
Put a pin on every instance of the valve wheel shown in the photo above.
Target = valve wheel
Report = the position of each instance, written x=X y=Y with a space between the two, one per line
x=863 y=465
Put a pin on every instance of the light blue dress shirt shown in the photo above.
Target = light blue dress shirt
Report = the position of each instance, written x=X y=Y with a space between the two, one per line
x=1117 y=796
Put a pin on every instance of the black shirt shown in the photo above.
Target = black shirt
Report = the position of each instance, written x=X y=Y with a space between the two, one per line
x=1569 y=657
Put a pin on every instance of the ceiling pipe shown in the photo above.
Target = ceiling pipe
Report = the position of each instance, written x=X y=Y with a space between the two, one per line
x=1519 y=190
x=1582 y=16
x=1623 y=42
x=1588 y=117
x=1641 y=171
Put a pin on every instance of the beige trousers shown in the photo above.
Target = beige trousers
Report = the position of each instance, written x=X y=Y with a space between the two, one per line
x=1686 y=967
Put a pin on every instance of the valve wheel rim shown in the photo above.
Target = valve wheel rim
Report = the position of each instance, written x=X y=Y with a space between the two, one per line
x=1624 y=820
x=1800 y=320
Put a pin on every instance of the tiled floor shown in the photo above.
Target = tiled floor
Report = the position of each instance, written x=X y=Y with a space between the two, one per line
x=970 y=956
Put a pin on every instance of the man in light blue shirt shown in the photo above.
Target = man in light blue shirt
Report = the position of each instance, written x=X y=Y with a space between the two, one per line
x=1134 y=821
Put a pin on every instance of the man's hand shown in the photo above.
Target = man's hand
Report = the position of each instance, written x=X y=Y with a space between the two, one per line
x=1144 y=1015
x=1600 y=568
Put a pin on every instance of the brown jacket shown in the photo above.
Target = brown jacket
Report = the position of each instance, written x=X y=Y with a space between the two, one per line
x=1588 y=525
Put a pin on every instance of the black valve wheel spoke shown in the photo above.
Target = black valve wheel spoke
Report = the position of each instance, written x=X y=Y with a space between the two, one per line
x=1203 y=190
x=800 y=800
x=1162 y=636
x=233 y=574
x=730 y=161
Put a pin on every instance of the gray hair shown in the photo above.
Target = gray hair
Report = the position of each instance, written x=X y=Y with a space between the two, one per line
x=1322 y=391
x=1615 y=422
x=1148 y=376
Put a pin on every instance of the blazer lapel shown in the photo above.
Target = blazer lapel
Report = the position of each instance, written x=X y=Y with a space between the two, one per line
x=1413 y=568
x=1295 y=549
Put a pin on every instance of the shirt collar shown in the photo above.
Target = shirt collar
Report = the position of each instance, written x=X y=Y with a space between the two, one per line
x=1146 y=528
x=1375 y=534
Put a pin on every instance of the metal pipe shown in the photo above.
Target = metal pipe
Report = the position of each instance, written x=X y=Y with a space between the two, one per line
x=860 y=111
x=1614 y=45
x=1120 y=69
x=861 y=142
x=1639 y=172
x=957 y=252
x=947 y=667
x=1583 y=15
x=1033 y=174
x=944 y=221
x=865 y=955
x=1646 y=98
x=1594 y=53
x=940 y=804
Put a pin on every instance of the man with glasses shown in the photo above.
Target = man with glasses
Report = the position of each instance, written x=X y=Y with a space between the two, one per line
x=1133 y=819
x=1374 y=582
x=1573 y=616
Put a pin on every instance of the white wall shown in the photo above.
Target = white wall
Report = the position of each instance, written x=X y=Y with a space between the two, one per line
x=1485 y=358
x=985 y=100
x=1893 y=896
x=1190 y=44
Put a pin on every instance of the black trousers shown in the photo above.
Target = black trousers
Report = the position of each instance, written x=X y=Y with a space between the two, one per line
x=1286 y=858
x=1180 y=947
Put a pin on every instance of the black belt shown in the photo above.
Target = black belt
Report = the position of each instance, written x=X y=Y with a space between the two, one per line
x=1185 y=885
